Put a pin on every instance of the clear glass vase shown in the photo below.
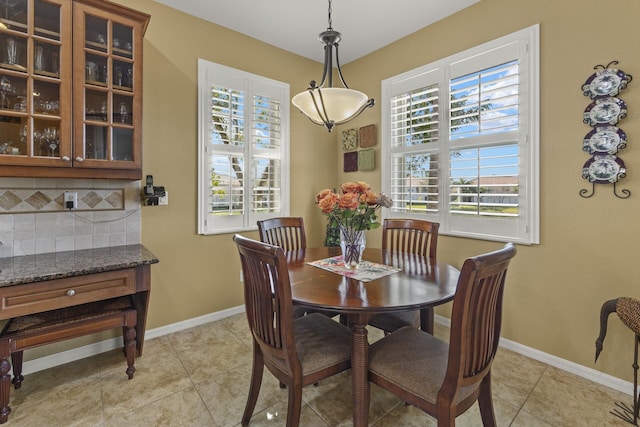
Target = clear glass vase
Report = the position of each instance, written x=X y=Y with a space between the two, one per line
x=352 y=243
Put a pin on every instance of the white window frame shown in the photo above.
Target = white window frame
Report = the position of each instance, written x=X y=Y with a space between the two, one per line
x=211 y=74
x=525 y=229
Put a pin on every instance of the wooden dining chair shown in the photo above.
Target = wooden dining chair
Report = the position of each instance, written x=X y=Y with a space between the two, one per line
x=298 y=352
x=445 y=379
x=286 y=232
x=410 y=236
x=289 y=234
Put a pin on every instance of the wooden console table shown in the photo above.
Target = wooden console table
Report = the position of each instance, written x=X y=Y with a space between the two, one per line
x=37 y=283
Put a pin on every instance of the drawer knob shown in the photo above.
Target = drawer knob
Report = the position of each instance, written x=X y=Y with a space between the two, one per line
x=71 y=292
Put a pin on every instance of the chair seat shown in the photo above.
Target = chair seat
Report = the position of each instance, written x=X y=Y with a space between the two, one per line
x=414 y=361
x=392 y=321
x=320 y=342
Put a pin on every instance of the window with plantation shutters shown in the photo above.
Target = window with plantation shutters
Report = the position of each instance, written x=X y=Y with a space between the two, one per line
x=460 y=141
x=243 y=146
x=414 y=127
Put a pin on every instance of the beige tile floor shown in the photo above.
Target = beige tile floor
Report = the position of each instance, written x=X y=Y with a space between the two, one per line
x=200 y=377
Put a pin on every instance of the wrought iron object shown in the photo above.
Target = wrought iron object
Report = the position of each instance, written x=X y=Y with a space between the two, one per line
x=628 y=310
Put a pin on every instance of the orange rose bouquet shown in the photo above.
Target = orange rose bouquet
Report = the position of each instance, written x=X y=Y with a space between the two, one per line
x=354 y=212
x=355 y=208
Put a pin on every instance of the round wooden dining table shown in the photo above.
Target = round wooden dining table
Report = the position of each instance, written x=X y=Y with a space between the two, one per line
x=420 y=283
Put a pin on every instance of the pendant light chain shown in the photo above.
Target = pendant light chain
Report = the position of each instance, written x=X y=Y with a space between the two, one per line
x=330 y=23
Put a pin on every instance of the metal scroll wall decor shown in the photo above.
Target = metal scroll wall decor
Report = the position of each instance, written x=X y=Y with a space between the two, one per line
x=605 y=139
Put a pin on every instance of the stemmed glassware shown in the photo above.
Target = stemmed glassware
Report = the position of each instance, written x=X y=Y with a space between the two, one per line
x=8 y=6
x=52 y=137
x=11 y=52
x=6 y=88
x=23 y=134
x=124 y=114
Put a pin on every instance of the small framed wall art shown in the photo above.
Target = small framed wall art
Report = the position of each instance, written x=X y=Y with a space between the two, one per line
x=349 y=139
x=368 y=136
x=351 y=161
x=366 y=159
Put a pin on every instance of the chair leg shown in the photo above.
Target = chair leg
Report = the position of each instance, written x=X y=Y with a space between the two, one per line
x=485 y=402
x=254 y=388
x=16 y=362
x=130 y=350
x=344 y=320
x=427 y=316
x=294 y=406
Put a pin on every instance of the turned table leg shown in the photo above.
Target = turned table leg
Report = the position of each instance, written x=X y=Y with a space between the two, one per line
x=360 y=370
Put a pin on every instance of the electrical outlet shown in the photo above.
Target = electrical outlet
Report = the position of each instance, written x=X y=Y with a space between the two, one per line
x=164 y=200
x=241 y=276
x=71 y=200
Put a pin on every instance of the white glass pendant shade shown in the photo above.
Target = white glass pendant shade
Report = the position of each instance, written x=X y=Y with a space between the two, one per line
x=332 y=104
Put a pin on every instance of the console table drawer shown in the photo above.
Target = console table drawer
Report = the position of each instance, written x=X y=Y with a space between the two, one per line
x=52 y=294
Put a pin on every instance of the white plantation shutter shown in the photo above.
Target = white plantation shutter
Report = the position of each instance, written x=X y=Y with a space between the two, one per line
x=484 y=111
x=414 y=136
x=411 y=191
x=243 y=141
x=484 y=181
x=460 y=141
x=484 y=102
x=226 y=191
x=266 y=188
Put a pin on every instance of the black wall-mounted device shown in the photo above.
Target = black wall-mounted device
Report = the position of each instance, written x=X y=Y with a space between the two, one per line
x=152 y=193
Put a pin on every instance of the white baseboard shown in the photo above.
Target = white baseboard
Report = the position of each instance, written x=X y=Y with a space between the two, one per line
x=56 y=359
x=574 y=368
x=63 y=357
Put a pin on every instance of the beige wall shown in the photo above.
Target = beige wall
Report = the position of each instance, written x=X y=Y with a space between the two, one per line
x=555 y=289
x=197 y=274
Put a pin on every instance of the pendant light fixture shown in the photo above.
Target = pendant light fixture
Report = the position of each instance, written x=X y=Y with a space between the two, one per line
x=329 y=106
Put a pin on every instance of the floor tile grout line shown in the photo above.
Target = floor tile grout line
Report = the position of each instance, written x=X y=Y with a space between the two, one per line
x=193 y=381
x=102 y=381
x=520 y=409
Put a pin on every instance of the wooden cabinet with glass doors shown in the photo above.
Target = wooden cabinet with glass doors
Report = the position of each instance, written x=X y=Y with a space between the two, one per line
x=70 y=89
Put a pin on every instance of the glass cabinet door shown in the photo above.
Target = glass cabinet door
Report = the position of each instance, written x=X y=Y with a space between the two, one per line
x=35 y=120
x=107 y=103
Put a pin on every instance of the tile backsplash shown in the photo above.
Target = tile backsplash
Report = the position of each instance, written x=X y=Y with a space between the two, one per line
x=39 y=200
x=33 y=219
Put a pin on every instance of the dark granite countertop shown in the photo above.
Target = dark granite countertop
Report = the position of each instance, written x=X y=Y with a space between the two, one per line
x=57 y=265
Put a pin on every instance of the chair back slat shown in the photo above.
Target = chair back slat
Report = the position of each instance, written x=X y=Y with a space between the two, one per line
x=266 y=278
x=476 y=318
x=410 y=235
x=286 y=232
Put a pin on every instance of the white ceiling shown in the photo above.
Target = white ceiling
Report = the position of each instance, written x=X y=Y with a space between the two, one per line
x=293 y=25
